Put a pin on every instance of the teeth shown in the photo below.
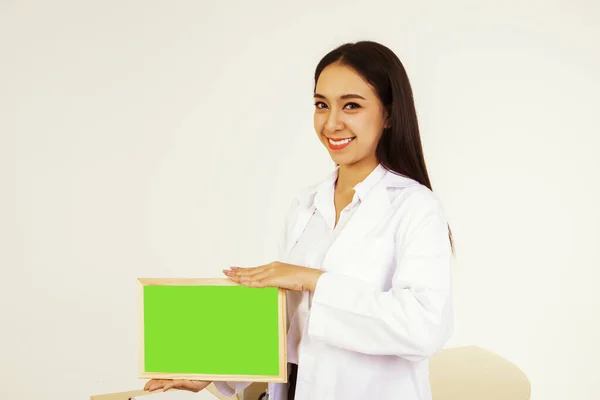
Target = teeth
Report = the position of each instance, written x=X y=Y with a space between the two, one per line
x=340 y=142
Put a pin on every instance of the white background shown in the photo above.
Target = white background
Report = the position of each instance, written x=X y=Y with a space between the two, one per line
x=166 y=139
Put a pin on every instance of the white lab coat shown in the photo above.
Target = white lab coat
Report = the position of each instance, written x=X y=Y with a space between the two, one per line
x=382 y=307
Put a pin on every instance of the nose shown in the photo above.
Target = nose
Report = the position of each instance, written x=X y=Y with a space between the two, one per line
x=334 y=121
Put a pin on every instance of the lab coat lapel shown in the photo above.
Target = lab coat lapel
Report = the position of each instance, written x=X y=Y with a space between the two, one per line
x=362 y=222
x=303 y=213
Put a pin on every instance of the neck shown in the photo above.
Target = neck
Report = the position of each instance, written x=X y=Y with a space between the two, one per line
x=349 y=175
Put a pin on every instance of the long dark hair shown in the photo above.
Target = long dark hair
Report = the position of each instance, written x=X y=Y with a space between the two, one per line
x=399 y=149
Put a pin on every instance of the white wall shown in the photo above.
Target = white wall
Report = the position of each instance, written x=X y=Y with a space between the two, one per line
x=146 y=138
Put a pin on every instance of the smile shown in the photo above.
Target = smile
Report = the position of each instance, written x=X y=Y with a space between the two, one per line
x=339 y=144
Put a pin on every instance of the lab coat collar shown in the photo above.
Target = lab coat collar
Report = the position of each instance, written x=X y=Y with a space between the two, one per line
x=390 y=179
x=373 y=208
x=362 y=188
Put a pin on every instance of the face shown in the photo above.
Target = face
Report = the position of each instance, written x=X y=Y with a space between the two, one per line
x=349 y=117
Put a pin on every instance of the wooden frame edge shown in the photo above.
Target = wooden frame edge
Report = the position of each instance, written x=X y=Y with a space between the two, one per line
x=282 y=314
x=216 y=378
x=283 y=374
x=187 y=281
x=140 y=316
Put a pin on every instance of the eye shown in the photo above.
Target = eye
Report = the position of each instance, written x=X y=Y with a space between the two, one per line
x=354 y=106
x=320 y=105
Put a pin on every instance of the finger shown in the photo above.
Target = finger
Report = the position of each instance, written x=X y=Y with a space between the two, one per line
x=247 y=271
x=234 y=268
x=253 y=284
x=230 y=272
x=155 y=386
x=147 y=385
x=232 y=276
x=258 y=280
x=175 y=383
x=237 y=274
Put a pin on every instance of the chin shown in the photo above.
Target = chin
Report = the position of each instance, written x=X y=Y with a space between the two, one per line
x=343 y=160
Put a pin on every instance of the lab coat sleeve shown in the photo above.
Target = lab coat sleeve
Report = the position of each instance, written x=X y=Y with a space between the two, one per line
x=413 y=319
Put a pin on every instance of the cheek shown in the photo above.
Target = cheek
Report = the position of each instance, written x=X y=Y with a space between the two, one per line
x=366 y=129
x=318 y=122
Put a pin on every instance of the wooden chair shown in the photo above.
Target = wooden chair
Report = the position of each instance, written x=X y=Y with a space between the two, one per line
x=473 y=373
x=463 y=373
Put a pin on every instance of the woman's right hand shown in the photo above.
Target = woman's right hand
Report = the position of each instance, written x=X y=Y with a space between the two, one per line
x=184 y=384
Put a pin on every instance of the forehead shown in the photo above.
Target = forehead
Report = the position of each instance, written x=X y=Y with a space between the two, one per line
x=336 y=80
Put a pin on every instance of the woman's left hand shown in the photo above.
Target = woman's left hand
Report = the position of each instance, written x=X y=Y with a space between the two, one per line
x=276 y=274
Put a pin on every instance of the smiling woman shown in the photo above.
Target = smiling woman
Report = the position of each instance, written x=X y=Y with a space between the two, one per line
x=365 y=254
x=349 y=117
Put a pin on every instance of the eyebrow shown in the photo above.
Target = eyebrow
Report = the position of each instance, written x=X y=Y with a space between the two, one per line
x=343 y=97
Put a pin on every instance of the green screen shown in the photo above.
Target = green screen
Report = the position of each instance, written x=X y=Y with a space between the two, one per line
x=211 y=330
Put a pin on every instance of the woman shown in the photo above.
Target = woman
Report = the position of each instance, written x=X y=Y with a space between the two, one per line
x=366 y=253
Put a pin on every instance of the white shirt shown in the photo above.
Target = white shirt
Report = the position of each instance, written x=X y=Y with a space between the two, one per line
x=383 y=305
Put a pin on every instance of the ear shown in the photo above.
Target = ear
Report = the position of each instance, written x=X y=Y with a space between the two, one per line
x=387 y=117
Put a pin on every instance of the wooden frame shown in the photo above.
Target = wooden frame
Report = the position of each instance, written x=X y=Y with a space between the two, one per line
x=282 y=345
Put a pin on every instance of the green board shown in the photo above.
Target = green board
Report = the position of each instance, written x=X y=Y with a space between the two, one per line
x=211 y=329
